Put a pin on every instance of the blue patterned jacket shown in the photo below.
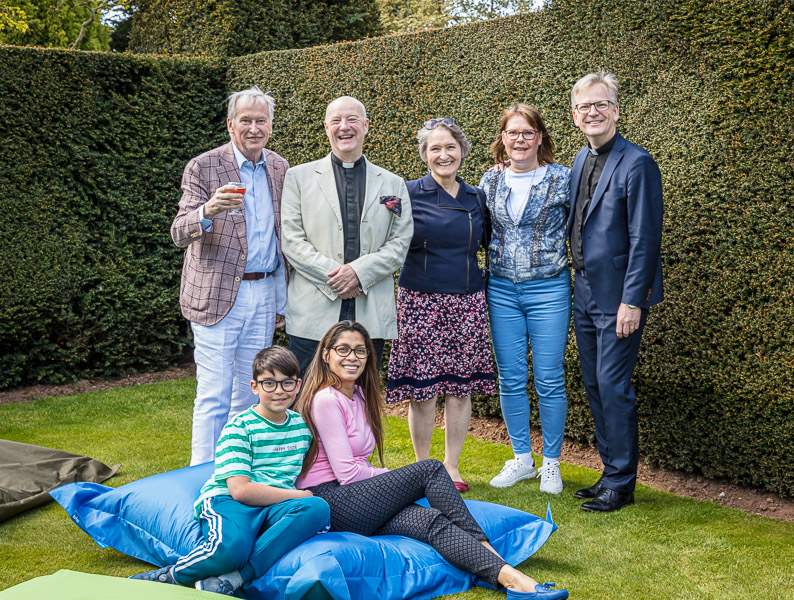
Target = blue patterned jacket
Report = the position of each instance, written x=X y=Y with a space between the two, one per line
x=535 y=248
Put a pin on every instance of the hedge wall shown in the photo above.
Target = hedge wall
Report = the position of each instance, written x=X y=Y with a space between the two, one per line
x=703 y=87
x=93 y=148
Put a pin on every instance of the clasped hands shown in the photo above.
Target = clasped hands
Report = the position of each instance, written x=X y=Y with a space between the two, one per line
x=344 y=282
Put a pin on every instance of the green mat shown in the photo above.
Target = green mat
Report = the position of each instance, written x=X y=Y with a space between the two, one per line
x=71 y=585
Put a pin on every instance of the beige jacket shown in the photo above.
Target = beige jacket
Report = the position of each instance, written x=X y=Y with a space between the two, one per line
x=313 y=243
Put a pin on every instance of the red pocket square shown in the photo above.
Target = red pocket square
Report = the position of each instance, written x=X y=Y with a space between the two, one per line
x=393 y=203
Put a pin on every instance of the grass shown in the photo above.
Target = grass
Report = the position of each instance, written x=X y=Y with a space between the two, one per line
x=662 y=547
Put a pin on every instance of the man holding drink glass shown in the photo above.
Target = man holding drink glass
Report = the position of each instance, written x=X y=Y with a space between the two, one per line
x=233 y=288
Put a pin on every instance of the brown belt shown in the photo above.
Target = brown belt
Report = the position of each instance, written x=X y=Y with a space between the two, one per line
x=255 y=276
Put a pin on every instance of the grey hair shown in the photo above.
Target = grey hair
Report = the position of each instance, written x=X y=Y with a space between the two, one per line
x=454 y=130
x=591 y=79
x=250 y=97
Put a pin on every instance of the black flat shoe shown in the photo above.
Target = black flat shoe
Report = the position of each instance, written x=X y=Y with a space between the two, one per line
x=609 y=500
x=590 y=492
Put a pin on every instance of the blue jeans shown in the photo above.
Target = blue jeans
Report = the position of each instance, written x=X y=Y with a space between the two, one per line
x=534 y=314
x=224 y=353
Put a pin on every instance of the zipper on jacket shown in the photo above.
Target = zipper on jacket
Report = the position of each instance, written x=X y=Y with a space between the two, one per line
x=468 y=251
x=425 y=256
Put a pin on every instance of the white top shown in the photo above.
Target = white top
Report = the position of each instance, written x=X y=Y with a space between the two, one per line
x=520 y=185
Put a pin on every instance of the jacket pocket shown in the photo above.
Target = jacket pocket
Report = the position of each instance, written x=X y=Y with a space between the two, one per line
x=621 y=262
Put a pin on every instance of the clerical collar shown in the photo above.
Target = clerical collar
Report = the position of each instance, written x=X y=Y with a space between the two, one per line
x=346 y=165
x=606 y=147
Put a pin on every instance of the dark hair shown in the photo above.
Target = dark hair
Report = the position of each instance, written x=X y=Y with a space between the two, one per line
x=531 y=114
x=319 y=376
x=275 y=357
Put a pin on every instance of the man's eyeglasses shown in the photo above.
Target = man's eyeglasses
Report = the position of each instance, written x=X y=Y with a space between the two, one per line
x=270 y=385
x=527 y=135
x=344 y=350
x=433 y=123
x=601 y=106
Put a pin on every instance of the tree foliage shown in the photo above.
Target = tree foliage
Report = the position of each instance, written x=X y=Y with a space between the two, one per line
x=12 y=18
x=415 y=15
x=71 y=24
x=219 y=28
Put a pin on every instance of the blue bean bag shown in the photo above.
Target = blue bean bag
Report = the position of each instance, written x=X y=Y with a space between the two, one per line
x=152 y=519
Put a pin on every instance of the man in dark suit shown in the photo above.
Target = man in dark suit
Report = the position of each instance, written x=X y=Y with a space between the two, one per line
x=615 y=230
x=233 y=279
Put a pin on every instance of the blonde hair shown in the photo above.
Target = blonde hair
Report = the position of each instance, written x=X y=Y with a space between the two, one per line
x=591 y=79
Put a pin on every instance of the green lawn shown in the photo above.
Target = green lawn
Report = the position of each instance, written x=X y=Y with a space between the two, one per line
x=662 y=547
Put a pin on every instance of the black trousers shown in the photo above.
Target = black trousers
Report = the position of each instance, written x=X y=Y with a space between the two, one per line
x=384 y=505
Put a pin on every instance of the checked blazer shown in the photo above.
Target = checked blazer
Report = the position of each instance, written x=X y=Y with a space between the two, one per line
x=215 y=260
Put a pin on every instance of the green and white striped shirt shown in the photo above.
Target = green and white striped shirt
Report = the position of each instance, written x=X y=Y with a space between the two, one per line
x=266 y=452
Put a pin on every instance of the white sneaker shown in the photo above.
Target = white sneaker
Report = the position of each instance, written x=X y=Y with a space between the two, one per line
x=550 y=479
x=514 y=471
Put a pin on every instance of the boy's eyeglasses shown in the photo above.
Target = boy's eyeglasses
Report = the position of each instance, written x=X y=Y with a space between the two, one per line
x=270 y=385
x=344 y=350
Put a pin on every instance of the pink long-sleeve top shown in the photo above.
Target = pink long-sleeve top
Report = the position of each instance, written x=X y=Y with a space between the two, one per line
x=345 y=440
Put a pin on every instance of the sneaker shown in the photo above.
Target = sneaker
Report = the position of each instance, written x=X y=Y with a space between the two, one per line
x=215 y=584
x=163 y=575
x=514 y=471
x=550 y=479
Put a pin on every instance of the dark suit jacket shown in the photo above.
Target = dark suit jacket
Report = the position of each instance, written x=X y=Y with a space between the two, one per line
x=215 y=260
x=622 y=233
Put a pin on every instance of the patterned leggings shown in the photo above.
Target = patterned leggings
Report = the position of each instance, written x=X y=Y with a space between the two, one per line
x=384 y=505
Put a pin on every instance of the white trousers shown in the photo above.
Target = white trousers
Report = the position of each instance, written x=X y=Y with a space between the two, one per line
x=224 y=353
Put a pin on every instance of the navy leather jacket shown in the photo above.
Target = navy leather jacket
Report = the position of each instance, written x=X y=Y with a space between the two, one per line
x=535 y=247
x=442 y=257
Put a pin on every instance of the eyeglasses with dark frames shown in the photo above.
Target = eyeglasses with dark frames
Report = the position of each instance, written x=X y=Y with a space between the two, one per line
x=528 y=135
x=270 y=385
x=344 y=350
x=601 y=106
x=433 y=123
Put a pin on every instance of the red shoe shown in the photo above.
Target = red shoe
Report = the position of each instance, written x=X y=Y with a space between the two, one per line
x=461 y=486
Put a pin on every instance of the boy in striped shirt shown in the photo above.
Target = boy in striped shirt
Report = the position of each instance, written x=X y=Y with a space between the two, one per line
x=249 y=510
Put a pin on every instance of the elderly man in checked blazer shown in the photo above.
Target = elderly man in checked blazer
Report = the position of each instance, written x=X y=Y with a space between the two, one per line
x=233 y=288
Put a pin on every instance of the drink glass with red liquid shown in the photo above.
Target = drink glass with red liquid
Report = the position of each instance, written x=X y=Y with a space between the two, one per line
x=240 y=190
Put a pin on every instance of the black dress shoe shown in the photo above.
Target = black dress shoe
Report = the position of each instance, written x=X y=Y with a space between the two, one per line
x=590 y=492
x=608 y=500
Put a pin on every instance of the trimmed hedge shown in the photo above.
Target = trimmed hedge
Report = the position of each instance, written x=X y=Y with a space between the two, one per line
x=703 y=86
x=93 y=146
x=223 y=28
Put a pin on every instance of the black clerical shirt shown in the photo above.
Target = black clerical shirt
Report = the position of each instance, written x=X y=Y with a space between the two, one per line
x=351 y=187
x=591 y=173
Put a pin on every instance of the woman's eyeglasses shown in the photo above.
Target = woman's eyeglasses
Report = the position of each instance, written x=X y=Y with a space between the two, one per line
x=527 y=135
x=344 y=350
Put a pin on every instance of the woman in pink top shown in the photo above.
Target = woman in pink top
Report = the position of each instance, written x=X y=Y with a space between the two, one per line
x=340 y=402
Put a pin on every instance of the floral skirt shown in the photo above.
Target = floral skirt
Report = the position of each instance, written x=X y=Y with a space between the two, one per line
x=442 y=347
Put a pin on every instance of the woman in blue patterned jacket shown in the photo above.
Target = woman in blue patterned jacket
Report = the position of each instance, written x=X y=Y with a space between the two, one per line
x=529 y=292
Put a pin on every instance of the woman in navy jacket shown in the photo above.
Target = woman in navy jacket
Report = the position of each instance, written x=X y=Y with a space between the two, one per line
x=442 y=347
